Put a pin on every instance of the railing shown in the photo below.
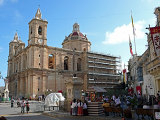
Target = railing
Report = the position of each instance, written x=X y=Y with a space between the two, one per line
x=104 y=74
x=98 y=53
x=102 y=58
x=153 y=64
x=102 y=67
x=115 y=83
x=103 y=63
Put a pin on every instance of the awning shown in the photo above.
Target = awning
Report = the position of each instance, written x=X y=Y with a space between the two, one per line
x=97 y=89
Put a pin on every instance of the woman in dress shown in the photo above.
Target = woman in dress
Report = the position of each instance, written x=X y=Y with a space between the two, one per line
x=80 y=108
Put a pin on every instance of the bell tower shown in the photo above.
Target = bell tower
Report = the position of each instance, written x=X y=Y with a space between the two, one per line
x=38 y=30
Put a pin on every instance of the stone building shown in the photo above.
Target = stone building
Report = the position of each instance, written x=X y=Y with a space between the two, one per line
x=37 y=68
x=153 y=66
x=145 y=69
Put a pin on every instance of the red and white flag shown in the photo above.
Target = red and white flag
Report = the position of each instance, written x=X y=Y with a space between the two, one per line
x=155 y=34
x=130 y=46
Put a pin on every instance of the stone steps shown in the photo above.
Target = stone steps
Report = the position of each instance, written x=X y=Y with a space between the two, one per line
x=95 y=108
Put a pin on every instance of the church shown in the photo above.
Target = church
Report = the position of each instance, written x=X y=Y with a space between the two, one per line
x=38 y=68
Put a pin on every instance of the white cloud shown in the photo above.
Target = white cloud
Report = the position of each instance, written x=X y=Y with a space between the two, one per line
x=149 y=1
x=1 y=2
x=121 y=33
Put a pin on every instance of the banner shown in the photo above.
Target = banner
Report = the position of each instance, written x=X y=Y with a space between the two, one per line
x=124 y=76
x=155 y=35
x=138 y=89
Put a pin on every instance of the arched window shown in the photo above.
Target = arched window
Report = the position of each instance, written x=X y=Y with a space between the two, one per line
x=66 y=63
x=40 y=30
x=31 y=30
x=79 y=64
x=51 y=61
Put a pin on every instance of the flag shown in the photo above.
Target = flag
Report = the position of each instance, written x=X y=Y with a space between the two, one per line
x=133 y=25
x=130 y=46
x=155 y=35
x=124 y=75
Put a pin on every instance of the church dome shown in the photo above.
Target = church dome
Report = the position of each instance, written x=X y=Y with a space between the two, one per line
x=76 y=40
x=76 y=34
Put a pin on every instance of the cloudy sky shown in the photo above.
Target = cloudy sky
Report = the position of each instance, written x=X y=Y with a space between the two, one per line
x=107 y=23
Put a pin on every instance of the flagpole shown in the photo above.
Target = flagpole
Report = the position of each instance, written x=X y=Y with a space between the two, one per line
x=135 y=45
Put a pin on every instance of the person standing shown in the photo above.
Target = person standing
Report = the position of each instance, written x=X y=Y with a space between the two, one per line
x=12 y=102
x=27 y=106
x=85 y=111
x=104 y=105
x=18 y=102
x=117 y=102
x=80 y=108
x=22 y=106
x=74 y=107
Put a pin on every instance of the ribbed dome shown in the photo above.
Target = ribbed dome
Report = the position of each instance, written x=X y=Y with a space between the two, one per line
x=78 y=34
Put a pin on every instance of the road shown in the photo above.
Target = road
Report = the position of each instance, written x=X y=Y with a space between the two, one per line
x=15 y=114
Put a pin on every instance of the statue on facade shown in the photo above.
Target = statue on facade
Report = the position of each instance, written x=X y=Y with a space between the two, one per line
x=6 y=91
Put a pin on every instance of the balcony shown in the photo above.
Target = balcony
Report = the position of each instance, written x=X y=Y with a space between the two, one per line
x=154 y=65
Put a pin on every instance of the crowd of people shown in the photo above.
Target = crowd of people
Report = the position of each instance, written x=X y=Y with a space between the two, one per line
x=132 y=101
x=21 y=103
x=79 y=108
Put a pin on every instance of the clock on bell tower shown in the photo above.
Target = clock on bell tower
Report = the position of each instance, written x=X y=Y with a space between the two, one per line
x=38 y=30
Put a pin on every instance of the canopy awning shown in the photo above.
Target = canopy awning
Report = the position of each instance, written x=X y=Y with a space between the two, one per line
x=96 y=89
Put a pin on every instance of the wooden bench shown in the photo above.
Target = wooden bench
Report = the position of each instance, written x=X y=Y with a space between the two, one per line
x=146 y=112
x=115 y=110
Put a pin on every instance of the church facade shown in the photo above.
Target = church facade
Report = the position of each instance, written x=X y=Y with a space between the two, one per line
x=37 y=68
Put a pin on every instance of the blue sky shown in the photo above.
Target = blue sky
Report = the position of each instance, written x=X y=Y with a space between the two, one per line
x=107 y=23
